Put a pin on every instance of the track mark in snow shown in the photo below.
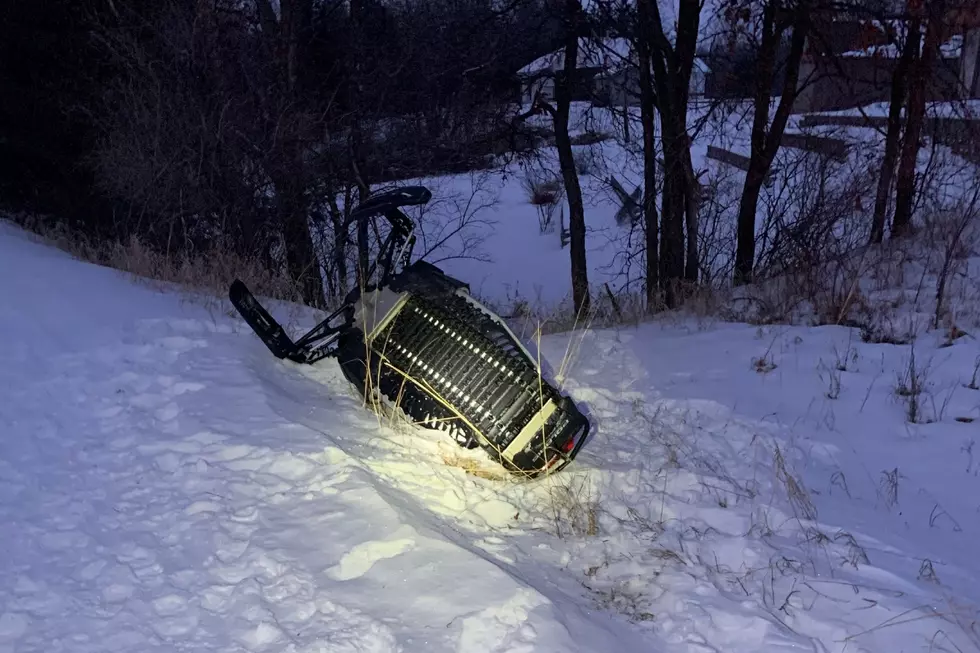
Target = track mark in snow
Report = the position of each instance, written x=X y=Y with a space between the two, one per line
x=13 y=625
x=292 y=468
x=361 y=558
x=168 y=412
x=349 y=631
x=59 y=541
x=91 y=571
x=504 y=628
x=172 y=604
x=497 y=548
x=168 y=462
x=261 y=636
x=229 y=549
x=199 y=507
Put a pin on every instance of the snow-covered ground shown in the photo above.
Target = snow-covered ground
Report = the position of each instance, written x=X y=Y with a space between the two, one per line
x=167 y=485
x=483 y=228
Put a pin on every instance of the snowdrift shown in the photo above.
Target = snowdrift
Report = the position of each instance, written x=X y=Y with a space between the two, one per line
x=166 y=485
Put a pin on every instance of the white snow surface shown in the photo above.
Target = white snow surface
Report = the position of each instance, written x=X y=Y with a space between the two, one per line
x=167 y=485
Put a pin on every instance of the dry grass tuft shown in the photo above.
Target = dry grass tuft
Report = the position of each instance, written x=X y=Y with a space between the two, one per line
x=575 y=505
x=798 y=497
x=543 y=192
x=474 y=468
x=203 y=277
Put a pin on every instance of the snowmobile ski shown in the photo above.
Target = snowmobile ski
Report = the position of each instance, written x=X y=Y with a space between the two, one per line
x=264 y=325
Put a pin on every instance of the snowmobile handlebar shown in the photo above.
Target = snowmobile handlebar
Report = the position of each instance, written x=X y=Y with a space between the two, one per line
x=389 y=204
x=402 y=238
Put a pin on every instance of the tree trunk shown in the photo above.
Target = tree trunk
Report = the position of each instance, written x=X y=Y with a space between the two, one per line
x=672 y=240
x=672 y=75
x=893 y=134
x=355 y=97
x=921 y=69
x=765 y=143
x=648 y=121
x=566 y=160
x=301 y=259
x=287 y=166
x=363 y=243
x=339 y=223
x=693 y=204
x=688 y=22
x=672 y=196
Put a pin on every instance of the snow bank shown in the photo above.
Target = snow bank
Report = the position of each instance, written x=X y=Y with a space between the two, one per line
x=165 y=484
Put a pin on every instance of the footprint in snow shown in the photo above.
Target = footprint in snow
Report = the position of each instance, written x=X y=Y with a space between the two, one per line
x=181 y=344
x=502 y=628
x=59 y=541
x=170 y=605
x=262 y=636
x=13 y=625
x=359 y=560
x=169 y=412
x=90 y=571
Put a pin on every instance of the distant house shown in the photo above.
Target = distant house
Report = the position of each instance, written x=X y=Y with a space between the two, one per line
x=851 y=63
x=970 y=63
x=966 y=21
x=699 y=78
x=606 y=74
x=597 y=58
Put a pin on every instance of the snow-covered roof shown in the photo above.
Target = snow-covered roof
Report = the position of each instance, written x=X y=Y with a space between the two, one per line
x=610 y=54
x=950 y=49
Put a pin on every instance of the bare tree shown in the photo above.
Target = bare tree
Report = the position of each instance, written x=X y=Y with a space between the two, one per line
x=290 y=133
x=672 y=65
x=766 y=136
x=648 y=119
x=899 y=91
x=560 y=113
x=921 y=70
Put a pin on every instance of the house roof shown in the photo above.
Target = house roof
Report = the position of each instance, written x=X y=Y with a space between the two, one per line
x=853 y=36
x=610 y=54
x=952 y=48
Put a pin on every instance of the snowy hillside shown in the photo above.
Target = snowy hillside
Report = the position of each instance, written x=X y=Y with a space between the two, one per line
x=166 y=485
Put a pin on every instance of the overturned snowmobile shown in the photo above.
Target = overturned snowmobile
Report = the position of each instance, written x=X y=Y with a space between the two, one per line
x=418 y=338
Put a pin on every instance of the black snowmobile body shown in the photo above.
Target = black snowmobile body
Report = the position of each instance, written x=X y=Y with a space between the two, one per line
x=418 y=339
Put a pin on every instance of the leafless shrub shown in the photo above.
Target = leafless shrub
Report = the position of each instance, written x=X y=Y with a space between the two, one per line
x=927 y=572
x=202 y=276
x=889 y=486
x=973 y=379
x=763 y=364
x=843 y=359
x=884 y=326
x=911 y=387
x=796 y=492
x=590 y=137
x=856 y=554
x=574 y=505
x=544 y=191
x=585 y=162
x=716 y=237
x=831 y=376
x=956 y=236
